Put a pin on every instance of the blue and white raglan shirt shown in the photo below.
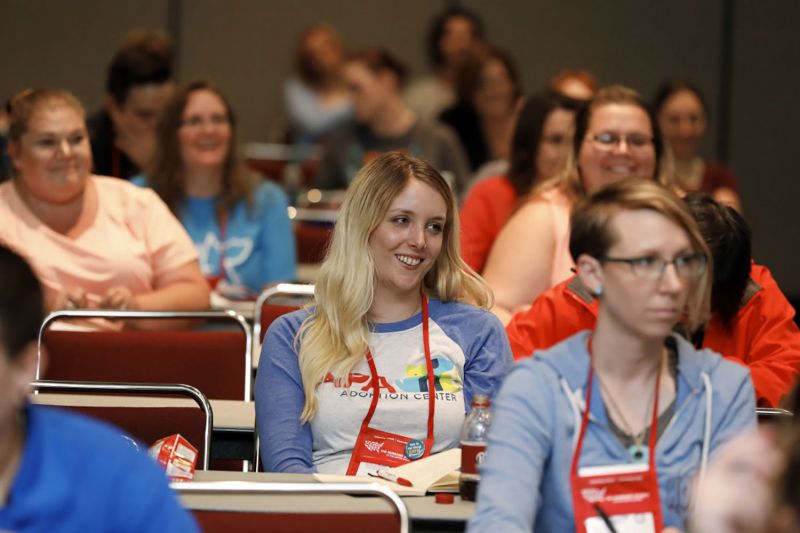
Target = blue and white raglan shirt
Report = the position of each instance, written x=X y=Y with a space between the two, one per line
x=259 y=243
x=470 y=355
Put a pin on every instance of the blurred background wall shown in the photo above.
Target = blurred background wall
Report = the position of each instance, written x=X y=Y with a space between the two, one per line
x=743 y=54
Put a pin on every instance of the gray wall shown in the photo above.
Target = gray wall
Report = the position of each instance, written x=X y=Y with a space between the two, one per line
x=245 y=46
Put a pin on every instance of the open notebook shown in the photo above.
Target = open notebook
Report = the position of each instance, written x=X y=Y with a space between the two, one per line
x=435 y=473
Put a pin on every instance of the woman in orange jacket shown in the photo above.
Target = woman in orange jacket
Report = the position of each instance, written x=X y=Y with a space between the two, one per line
x=752 y=321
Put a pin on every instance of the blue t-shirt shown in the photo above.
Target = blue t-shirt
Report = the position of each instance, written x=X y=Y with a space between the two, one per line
x=258 y=245
x=77 y=474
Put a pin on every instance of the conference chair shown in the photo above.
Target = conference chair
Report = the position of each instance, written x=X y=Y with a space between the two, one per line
x=242 y=506
x=138 y=408
x=278 y=300
x=218 y=363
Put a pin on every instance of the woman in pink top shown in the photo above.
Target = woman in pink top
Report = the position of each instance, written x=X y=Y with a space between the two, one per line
x=616 y=137
x=539 y=150
x=94 y=242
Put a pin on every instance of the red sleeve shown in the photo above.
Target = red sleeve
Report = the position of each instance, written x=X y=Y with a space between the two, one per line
x=483 y=213
x=766 y=338
x=555 y=315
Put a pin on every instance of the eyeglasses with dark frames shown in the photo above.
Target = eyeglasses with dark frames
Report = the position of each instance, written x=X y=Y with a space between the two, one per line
x=687 y=266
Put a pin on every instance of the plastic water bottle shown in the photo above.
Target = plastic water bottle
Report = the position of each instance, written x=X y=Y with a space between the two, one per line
x=473 y=446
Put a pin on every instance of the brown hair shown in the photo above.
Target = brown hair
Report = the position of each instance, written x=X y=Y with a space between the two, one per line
x=379 y=60
x=591 y=232
x=25 y=103
x=304 y=64
x=166 y=175
x=570 y=180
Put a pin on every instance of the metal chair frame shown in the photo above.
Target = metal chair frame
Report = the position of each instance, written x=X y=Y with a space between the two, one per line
x=253 y=487
x=226 y=314
x=280 y=289
x=171 y=389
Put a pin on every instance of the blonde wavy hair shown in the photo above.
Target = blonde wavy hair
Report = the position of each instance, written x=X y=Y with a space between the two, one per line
x=333 y=339
x=592 y=233
x=570 y=180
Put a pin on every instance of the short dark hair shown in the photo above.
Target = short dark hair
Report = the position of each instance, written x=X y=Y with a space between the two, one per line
x=438 y=26
x=528 y=136
x=728 y=238
x=667 y=88
x=21 y=304
x=145 y=57
x=379 y=60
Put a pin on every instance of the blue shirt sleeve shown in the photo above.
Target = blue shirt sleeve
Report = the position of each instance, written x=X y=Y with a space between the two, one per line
x=277 y=238
x=286 y=443
x=489 y=359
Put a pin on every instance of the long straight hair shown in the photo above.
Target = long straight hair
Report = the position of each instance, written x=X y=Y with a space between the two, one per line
x=333 y=339
x=167 y=174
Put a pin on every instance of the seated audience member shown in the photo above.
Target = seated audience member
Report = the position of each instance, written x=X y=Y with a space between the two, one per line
x=614 y=421
x=240 y=227
x=316 y=100
x=374 y=79
x=454 y=36
x=683 y=115
x=93 y=241
x=393 y=321
x=138 y=85
x=574 y=83
x=485 y=113
x=62 y=471
x=615 y=137
x=752 y=322
x=539 y=150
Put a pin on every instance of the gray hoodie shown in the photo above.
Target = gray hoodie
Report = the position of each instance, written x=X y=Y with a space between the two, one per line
x=525 y=479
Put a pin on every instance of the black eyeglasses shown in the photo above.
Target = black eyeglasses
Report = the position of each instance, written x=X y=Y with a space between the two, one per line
x=609 y=140
x=652 y=267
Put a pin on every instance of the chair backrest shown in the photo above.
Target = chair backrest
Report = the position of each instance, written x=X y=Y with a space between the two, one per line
x=225 y=514
x=275 y=301
x=312 y=241
x=218 y=363
x=772 y=415
x=146 y=423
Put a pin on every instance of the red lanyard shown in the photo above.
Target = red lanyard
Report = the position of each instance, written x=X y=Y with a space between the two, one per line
x=431 y=383
x=652 y=438
x=214 y=279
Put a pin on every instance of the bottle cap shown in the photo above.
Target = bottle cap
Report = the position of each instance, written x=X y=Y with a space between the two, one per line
x=480 y=400
x=444 y=497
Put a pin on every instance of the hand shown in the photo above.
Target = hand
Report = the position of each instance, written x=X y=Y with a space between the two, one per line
x=120 y=298
x=72 y=298
x=736 y=493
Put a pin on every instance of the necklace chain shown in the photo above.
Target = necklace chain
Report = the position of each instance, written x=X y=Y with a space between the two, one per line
x=638 y=439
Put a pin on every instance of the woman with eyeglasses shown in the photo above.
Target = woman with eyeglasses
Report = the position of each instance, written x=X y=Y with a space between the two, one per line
x=539 y=150
x=615 y=137
x=240 y=227
x=751 y=320
x=610 y=425
x=94 y=241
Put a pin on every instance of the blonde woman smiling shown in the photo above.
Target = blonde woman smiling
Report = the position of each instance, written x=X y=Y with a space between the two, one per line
x=391 y=325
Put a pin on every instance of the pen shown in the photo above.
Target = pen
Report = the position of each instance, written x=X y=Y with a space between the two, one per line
x=388 y=476
x=605 y=518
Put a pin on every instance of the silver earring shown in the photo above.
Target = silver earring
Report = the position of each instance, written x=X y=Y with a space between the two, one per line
x=598 y=292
